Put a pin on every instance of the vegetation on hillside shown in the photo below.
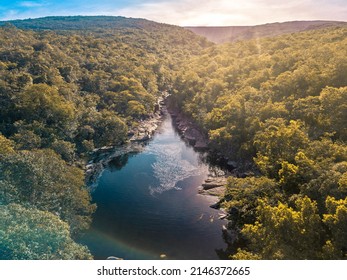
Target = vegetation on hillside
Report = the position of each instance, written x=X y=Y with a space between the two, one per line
x=83 y=23
x=62 y=95
x=276 y=106
x=280 y=105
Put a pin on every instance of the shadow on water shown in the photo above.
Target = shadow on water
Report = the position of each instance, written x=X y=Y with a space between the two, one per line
x=118 y=162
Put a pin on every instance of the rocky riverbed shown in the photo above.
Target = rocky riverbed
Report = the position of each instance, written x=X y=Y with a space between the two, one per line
x=146 y=128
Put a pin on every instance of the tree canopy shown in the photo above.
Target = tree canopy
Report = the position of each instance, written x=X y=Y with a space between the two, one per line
x=278 y=105
x=69 y=85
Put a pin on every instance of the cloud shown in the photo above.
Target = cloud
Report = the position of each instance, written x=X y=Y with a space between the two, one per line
x=9 y=14
x=187 y=12
x=236 y=12
x=30 y=4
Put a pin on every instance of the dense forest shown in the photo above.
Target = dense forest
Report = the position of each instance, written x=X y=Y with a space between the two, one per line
x=277 y=107
x=62 y=95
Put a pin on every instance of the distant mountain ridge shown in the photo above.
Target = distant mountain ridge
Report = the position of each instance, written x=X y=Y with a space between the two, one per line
x=216 y=34
x=224 y=34
x=83 y=23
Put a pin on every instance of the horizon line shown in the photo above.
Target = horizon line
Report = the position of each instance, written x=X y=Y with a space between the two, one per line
x=184 y=26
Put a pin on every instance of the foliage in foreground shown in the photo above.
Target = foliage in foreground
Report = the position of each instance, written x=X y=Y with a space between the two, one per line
x=31 y=234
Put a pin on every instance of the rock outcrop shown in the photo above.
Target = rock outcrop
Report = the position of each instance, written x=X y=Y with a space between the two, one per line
x=101 y=157
x=146 y=128
x=214 y=186
x=189 y=131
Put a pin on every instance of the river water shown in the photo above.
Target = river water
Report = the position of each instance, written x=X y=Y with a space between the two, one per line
x=148 y=204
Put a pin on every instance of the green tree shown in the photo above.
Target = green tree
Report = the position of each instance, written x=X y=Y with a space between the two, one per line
x=277 y=142
x=109 y=129
x=6 y=146
x=334 y=110
x=136 y=109
x=282 y=232
x=242 y=195
x=42 y=102
x=27 y=139
x=31 y=234
x=65 y=149
x=336 y=221
x=41 y=179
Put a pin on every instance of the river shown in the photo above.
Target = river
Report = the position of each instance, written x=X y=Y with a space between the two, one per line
x=149 y=206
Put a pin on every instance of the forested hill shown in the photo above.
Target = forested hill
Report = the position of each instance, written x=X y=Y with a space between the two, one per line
x=118 y=71
x=224 y=34
x=84 y=23
x=280 y=103
x=62 y=95
x=276 y=106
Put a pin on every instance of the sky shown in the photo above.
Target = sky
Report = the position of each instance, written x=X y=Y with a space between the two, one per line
x=183 y=12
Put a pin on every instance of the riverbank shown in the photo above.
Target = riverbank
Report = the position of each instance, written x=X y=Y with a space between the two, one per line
x=146 y=128
x=193 y=135
x=148 y=204
x=188 y=130
x=137 y=139
x=214 y=186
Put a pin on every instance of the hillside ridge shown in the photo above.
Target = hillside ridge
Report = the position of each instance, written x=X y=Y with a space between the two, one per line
x=223 y=34
x=83 y=23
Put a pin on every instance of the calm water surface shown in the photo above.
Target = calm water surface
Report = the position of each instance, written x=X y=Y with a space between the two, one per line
x=150 y=206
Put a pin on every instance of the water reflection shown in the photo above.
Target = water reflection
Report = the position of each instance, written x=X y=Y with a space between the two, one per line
x=148 y=204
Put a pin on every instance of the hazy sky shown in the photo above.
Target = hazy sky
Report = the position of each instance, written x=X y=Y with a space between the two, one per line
x=184 y=12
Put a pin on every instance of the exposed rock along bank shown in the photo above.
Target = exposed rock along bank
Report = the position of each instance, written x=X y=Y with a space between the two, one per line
x=214 y=186
x=147 y=128
x=192 y=134
x=188 y=130
x=137 y=138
